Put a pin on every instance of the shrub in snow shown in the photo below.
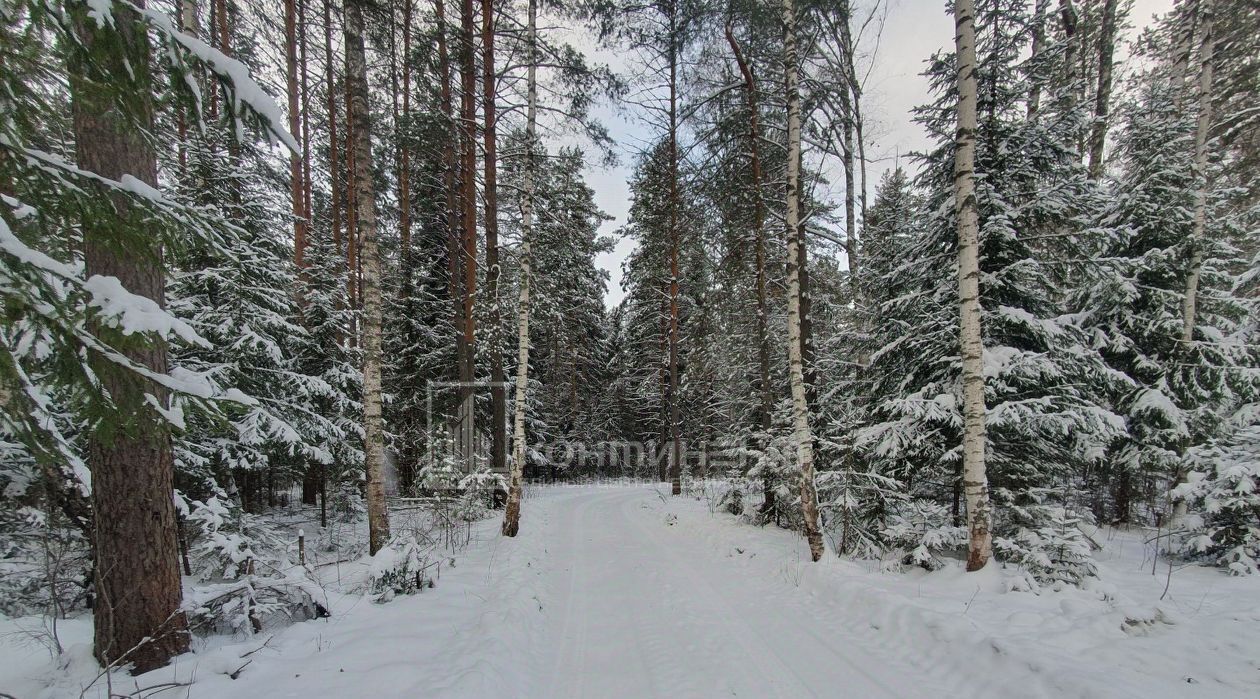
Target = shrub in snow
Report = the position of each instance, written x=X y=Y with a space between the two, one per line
x=439 y=476
x=471 y=495
x=44 y=563
x=401 y=567
x=775 y=468
x=855 y=507
x=1051 y=548
x=347 y=503
x=919 y=531
x=477 y=492
x=1225 y=487
x=730 y=495
x=252 y=580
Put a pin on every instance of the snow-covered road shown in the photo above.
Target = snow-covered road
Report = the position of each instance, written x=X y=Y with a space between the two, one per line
x=646 y=609
x=622 y=591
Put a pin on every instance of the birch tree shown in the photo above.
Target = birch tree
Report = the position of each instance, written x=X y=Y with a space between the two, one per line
x=802 y=435
x=365 y=219
x=1202 y=125
x=512 y=515
x=975 y=481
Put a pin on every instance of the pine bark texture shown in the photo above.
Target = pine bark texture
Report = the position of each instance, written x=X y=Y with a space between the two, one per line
x=450 y=185
x=296 y=188
x=975 y=481
x=334 y=157
x=137 y=617
x=498 y=397
x=764 y=389
x=802 y=434
x=468 y=222
x=304 y=92
x=675 y=415
x=365 y=199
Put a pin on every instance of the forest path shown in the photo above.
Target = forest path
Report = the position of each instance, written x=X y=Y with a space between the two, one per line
x=643 y=605
x=608 y=592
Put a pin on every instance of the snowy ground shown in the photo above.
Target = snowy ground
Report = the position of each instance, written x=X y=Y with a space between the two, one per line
x=620 y=592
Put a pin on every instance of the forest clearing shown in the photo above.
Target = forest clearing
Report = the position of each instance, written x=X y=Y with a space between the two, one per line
x=591 y=348
x=618 y=590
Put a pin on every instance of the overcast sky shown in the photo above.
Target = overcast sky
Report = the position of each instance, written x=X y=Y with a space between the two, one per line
x=914 y=29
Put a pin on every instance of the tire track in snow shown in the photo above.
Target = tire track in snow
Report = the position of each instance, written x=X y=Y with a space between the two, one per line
x=774 y=639
x=884 y=632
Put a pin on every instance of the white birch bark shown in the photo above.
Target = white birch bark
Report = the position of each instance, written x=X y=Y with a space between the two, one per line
x=802 y=435
x=1190 y=301
x=975 y=480
x=512 y=514
x=365 y=200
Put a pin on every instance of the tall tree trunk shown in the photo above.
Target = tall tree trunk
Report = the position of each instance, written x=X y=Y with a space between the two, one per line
x=352 y=212
x=334 y=157
x=304 y=89
x=848 y=104
x=850 y=223
x=1102 y=101
x=807 y=302
x=296 y=188
x=802 y=435
x=498 y=397
x=1038 y=45
x=512 y=515
x=1207 y=48
x=664 y=454
x=136 y=555
x=675 y=416
x=450 y=165
x=217 y=10
x=224 y=24
x=765 y=410
x=468 y=202
x=1070 y=19
x=334 y=181
x=855 y=88
x=187 y=25
x=975 y=481
x=365 y=199
x=314 y=471
x=404 y=154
